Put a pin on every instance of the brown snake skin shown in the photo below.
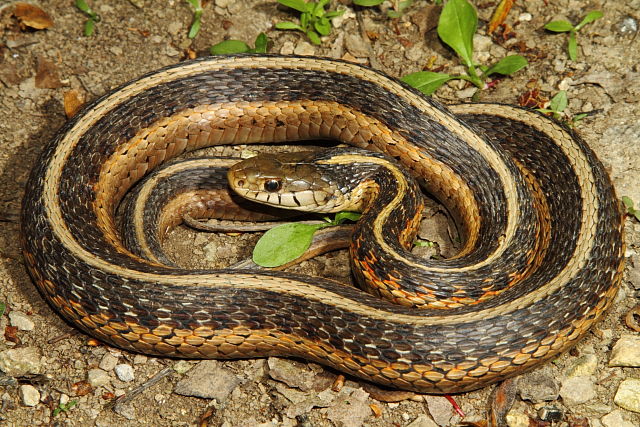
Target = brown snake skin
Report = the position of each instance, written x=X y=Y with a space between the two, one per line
x=543 y=249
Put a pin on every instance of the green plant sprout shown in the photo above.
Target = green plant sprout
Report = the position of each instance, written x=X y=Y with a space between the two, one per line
x=556 y=108
x=457 y=25
x=563 y=26
x=197 y=18
x=315 y=21
x=630 y=210
x=229 y=47
x=286 y=242
x=398 y=6
x=90 y=24
x=64 y=407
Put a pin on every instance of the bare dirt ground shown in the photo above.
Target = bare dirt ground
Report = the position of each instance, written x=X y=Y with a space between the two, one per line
x=38 y=67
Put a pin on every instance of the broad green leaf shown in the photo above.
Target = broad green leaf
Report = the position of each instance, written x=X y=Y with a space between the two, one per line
x=456 y=27
x=195 y=28
x=298 y=5
x=628 y=203
x=261 y=43
x=286 y=25
x=559 y=102
x=283 y=244
x=507 y=65
x=83 y=6
x=89 y=27
x=368 y=3
x=334 y=14
x=558 y=26
x=346 y=216
x=228 y=47
x=322 y=26
x=572 y=46
x=318 y=9
x=426 y=82
x=591 y=16
x=314 y=37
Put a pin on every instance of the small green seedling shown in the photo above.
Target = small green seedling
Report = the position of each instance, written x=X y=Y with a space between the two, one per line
x=64 y=407
x=229 y=47
x=398 y=6
x=457 y=25
x=3 y=308
x=315 y=21
x=285 y=243
x=628 y=204
x=197 y=18
x=565 y=26
x=556 y=108
x=90 y=24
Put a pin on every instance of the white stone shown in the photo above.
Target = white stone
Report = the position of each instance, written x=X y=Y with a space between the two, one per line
x=21 y=321
x=616 y=419
x=577 y=390
x=626 y=352
x=628 y=395
x=525 y=17
x=98 y=377
x=124 y=372
x=29 y=395
x=17 y=362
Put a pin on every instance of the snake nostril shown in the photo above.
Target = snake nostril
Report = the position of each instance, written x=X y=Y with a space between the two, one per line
x=240 y=183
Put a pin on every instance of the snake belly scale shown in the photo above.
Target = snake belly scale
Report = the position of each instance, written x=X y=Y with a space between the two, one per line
x=542 y=258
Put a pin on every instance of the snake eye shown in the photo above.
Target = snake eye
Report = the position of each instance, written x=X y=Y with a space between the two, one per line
x=272 y=185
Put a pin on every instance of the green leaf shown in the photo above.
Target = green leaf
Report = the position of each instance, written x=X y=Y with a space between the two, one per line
x=286 y=25
x=334 y=14
x=83 y=6
x=228 y=47
x=368 y=3
x=298 y=5
x=456 y=27
x=314 y=37
x=283 y=244
x=89 y=27
x=591 y=16
x=3 y=307
x=572 y=46
x=507 y=65
x=628 y=203
x=559 y=102
x=322 y=26
x=579 y=117
x=426 y=82
x=559 y=26
x=261 y=43
x=195 y=27
x=346 y=216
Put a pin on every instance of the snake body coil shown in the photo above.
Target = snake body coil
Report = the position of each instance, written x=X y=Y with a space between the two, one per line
x=541 y=262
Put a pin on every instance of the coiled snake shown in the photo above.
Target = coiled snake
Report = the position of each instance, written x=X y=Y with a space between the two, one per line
x=542 y=257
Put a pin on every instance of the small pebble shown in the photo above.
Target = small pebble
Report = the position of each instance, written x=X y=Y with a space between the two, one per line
x=64 y=399
x=124 y=372
x=21 y=321
x=97 y=377
x=29 y=395
x=628 y=395
x=577 y=390
x=626 y=352
x=628 y=25
x=108 y=362
x=422 y=421
x=525 y=17
x=616 y=419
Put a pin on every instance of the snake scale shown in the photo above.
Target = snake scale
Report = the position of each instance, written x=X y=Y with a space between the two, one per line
x=541 y=261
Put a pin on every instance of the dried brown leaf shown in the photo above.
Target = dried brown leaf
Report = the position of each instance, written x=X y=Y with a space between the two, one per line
x=47 y=75
x=32 y=16
x=73 y=101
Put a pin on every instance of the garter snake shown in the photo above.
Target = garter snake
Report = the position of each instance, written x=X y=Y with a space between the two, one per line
x=542 y=257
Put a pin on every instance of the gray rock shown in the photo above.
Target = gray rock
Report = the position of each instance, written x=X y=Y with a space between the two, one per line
x=440 y=409
x=422 y=421
x=97 y=377
x=291 y=373
x=124 y=372
x=29 y=395
x=208 y=380
x=126 y=411
x=583 y=366
x=577 y=390
x=350 y=409
x=626 y=352
x=539 y=386
x=304 y=48
x=615 y=419
x=628 y=395
x=108 y=362
x=20 y=361
x=21 y=321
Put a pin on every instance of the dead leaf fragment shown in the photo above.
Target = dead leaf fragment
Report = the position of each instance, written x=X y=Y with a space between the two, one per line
x=499 y=15
x=73 y=101
x=32 y=16
x=47 y=75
